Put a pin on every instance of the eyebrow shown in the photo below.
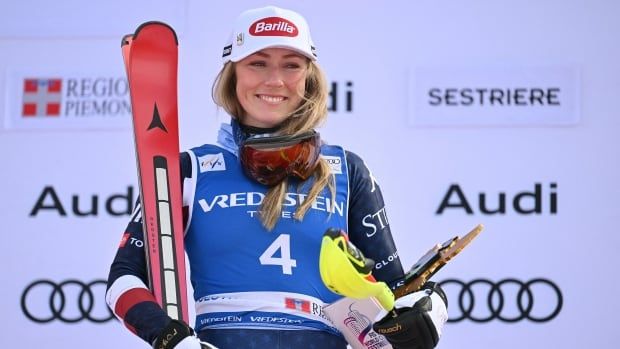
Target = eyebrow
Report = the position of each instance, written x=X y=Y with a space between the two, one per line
x=290 y=55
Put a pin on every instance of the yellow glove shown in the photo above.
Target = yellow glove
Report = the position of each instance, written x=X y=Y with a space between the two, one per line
x=345 y=271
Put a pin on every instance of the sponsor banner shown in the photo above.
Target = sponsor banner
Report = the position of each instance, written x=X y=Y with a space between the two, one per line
x=494 y=96
x=53 y=201
x=340 y=99
x=64 y=100
x=69 y=301
x=540 y=199
x=509 y=300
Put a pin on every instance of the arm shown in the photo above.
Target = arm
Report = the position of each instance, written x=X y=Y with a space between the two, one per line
x=369 y=228
x=128 y=295
x=418 y=318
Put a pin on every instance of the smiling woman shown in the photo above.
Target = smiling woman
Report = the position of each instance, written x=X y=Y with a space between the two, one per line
x=258 y=204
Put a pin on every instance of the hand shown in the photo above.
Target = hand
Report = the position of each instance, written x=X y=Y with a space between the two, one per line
x=419 y=320
x=177 y=335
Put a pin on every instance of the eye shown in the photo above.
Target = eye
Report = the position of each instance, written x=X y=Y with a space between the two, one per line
x=292 y=65
x=257 y=63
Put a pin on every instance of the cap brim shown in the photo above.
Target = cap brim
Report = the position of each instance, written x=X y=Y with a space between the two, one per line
x=237 y=58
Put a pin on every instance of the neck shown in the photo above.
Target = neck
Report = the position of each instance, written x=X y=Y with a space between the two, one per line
x=242 y=132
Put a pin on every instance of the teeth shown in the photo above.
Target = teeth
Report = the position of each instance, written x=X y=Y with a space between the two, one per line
x=271 y=99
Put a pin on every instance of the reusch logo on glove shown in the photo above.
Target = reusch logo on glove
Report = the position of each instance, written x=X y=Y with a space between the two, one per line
x=273 y=26
x=392 y=329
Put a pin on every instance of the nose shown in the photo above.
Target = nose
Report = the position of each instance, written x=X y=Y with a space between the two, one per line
x=274 y=78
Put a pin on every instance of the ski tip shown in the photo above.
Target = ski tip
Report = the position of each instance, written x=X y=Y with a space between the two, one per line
x=156 y=23
x=126 y=40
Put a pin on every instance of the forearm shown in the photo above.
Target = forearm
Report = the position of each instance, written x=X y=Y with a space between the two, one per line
x=127 y=294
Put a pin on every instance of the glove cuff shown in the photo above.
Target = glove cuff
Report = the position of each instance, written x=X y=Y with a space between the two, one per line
x=433 y=286
x=172 y=334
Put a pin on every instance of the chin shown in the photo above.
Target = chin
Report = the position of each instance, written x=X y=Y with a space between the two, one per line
x=273 y=120
x=267 y=118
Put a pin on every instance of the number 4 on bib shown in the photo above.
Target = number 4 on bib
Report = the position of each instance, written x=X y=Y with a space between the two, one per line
x=279 y=247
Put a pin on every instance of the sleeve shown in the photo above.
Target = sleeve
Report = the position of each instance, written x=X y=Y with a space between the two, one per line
x=369 y=228
x=127 y=293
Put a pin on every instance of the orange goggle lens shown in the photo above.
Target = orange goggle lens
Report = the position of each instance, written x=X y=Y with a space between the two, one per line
x=269 y=160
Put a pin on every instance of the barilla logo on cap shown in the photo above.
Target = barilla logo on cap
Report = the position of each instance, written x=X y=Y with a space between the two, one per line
x=273 y=26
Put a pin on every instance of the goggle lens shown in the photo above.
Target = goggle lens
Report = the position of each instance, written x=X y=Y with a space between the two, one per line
x=269 y=160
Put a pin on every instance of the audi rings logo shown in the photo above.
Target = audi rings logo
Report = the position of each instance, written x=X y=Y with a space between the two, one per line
x=70 y=301
x=508 y=300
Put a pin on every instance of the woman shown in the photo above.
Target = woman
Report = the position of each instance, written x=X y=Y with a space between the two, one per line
x=257 y=206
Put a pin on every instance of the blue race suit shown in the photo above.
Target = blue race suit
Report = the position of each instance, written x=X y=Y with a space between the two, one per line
x=248 y=281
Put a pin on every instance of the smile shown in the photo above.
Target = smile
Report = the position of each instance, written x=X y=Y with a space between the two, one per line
x=271 y=99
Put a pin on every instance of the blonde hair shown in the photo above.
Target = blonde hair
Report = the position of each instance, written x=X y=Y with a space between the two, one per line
x=311 y=113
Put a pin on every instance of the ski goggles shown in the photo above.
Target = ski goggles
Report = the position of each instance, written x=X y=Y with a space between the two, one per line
x=269 y=160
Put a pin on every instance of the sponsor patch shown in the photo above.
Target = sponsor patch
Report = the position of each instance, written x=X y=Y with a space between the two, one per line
x=212 y=162
x=297 y=304
x=273 y=26
x=335 y=163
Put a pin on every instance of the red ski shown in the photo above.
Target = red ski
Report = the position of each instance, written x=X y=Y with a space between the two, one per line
x=150 y=57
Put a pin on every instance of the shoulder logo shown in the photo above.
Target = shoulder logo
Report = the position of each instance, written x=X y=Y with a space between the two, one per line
x=335 y=163
x=212 y=162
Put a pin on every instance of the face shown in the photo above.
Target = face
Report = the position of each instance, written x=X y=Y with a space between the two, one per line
x=270 y=84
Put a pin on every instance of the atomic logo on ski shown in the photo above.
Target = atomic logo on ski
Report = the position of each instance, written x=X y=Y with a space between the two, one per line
x=156 y=121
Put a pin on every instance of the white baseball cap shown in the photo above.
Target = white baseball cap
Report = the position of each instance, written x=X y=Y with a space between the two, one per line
x=268 y=27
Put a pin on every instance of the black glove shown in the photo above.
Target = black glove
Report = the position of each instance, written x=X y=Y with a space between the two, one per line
x=420 y=319
x=178 y=335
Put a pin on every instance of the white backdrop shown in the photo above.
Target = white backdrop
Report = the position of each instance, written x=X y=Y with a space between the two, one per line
x=402 y=73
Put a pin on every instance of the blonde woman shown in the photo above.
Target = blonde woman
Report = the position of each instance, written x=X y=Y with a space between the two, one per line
x=258 y=203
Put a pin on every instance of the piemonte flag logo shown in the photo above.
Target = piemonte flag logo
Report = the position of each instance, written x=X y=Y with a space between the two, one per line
x=52 y=98
x=41 y=97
